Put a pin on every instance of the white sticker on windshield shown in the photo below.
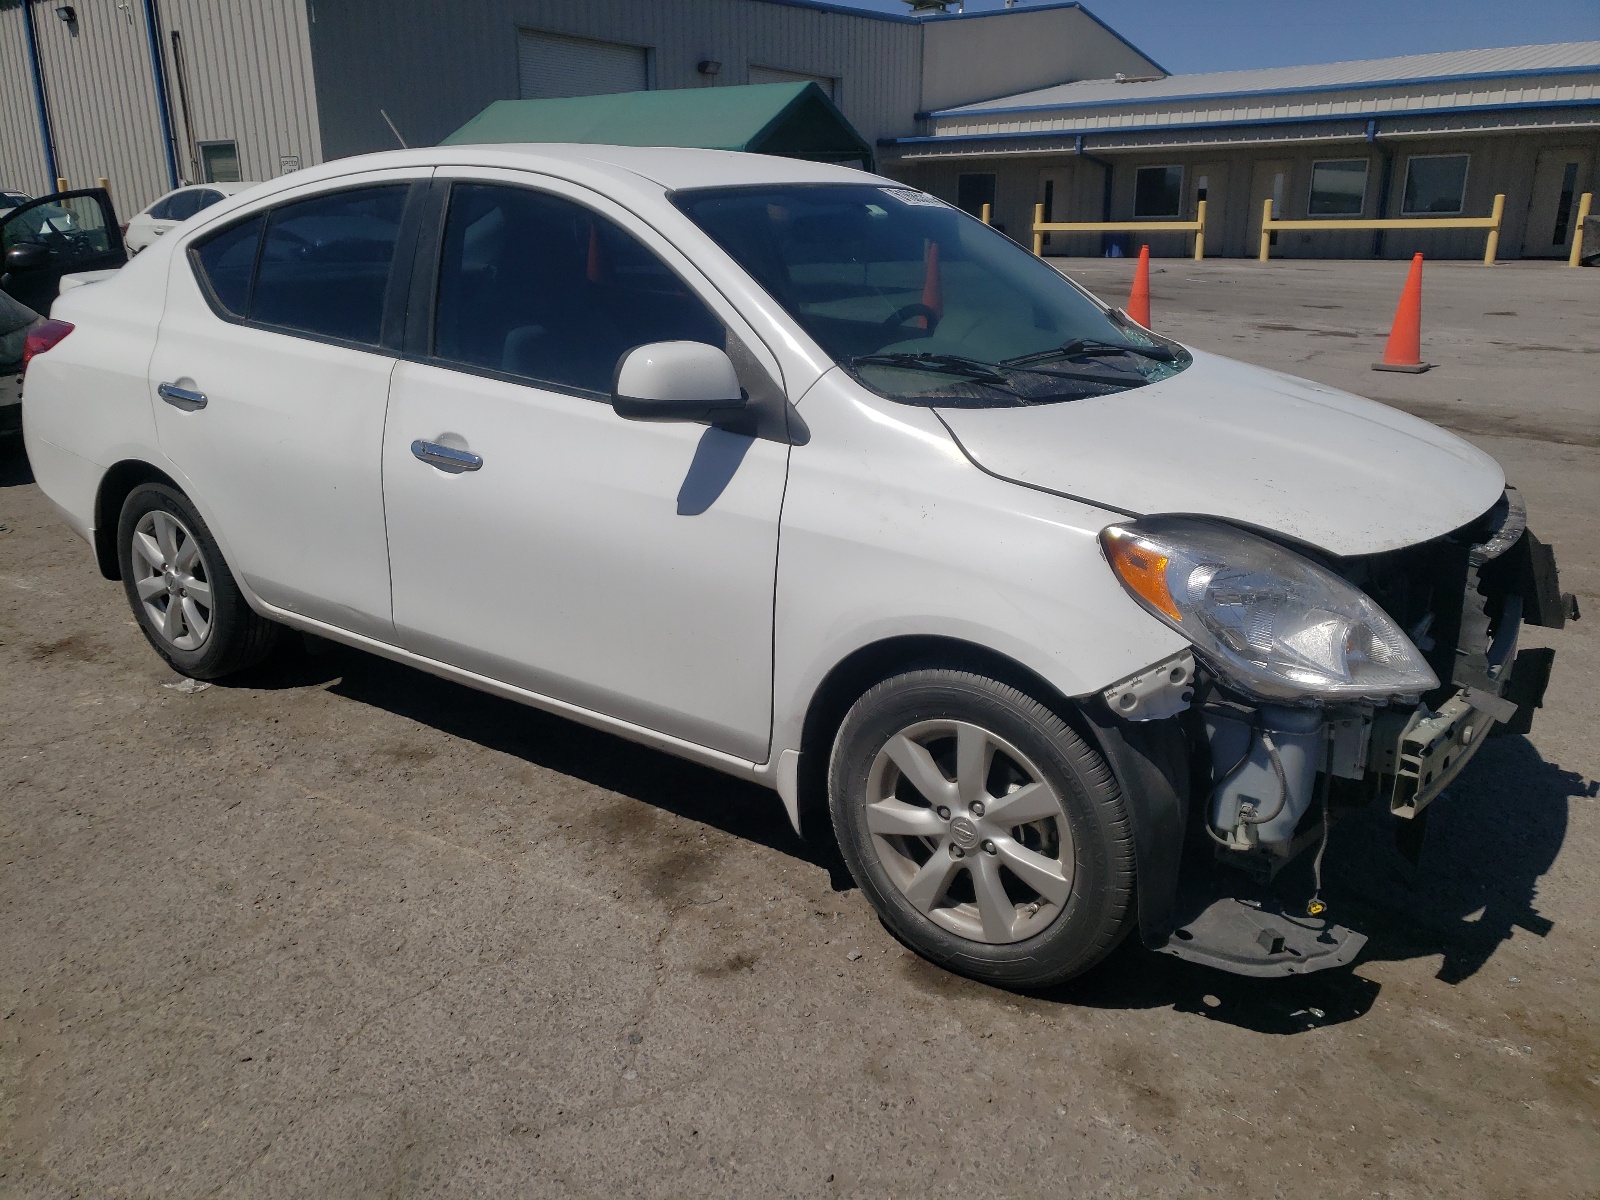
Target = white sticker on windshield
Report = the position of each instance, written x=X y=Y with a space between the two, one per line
x=912 y=196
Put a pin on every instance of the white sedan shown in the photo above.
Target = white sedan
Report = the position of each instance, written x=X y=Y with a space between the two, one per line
x=167 y=213
x=802 y=474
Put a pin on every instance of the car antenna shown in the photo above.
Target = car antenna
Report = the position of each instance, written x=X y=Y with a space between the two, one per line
x=393 y=130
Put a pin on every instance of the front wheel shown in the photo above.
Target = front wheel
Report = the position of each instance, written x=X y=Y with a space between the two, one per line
x=185 y=599
x=989 y=836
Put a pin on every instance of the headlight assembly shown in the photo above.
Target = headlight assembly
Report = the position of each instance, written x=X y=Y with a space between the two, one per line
x=1274 y=624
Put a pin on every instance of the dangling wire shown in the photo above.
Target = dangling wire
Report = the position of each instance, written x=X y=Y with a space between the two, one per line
x=1316 y=906
x=1256 y=730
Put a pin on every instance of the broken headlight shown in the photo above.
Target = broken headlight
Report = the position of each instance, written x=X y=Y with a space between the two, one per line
x=1271 y=622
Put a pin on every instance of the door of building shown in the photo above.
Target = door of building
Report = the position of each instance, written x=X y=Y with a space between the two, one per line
x=1559 y=177
x=1209 y=182
x=1056 y=195
x=1269 y=178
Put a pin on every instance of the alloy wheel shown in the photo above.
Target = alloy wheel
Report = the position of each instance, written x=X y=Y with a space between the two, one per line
x=173 y=584
x=970 y=831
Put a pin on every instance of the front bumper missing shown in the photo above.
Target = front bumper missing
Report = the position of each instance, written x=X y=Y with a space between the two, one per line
x=1407 y=758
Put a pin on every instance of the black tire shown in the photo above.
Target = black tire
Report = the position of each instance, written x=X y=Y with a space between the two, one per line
x=236 y=638
x=1098 y=911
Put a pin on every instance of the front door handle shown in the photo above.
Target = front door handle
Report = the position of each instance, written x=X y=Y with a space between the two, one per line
x=446 y=458
x=184 y=398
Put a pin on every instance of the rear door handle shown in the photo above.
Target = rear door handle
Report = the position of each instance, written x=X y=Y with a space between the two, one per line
x=182 y=398
x=446 y=458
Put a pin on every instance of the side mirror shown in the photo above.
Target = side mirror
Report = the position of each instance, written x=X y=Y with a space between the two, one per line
x=676 y=381
x=26 y=257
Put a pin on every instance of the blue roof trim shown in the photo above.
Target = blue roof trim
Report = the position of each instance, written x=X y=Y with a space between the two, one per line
x=873 y=14
x=966 y=111
x=1197 y=126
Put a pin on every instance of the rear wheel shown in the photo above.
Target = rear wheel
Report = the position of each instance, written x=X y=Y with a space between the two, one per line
x=182 y=594
x=988 y=835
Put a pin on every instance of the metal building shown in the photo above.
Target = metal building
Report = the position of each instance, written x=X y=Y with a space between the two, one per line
x=1423 y=135
x=151 y=92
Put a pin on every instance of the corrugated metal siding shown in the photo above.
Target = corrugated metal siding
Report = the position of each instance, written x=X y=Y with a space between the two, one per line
x=1438 y=68
x=1406 y=100
x=977 y=59
x=367 y=59
x=103 y=100
x=247 y=64
x=22 y=161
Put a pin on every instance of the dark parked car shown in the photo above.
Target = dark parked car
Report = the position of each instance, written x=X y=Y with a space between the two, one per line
x=42 y=240
x=15 y=321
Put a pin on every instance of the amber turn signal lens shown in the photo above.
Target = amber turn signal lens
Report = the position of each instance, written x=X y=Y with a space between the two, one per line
x=1142 y=571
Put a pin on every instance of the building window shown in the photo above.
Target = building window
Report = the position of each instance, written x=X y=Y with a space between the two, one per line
x=1338 y=188
x=973 y=192
x=219 y=162
x=1436 y=185
x=1158 y=191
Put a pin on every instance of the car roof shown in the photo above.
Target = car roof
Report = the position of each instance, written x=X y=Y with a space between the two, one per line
x=227 y=189
x=670 y=167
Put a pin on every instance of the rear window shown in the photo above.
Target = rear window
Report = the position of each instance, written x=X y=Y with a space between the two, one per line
x=319 y=266
x=226 y=264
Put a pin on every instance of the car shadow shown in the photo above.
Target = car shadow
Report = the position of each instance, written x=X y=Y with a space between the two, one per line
x=15 y=469
x=1488 y=843
x=685 y=789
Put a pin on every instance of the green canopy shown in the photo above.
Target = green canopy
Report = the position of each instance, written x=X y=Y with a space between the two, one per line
x=795 y=120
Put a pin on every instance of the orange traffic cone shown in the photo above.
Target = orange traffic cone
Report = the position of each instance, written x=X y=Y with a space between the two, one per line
x=1404 y=351
x=932 y=285
x=1139 y=298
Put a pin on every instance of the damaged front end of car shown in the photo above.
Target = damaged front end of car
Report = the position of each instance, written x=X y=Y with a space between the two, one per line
x=1315 y=686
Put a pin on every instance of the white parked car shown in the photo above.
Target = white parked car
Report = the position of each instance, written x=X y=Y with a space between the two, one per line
x=167 y=213
x=802 y=474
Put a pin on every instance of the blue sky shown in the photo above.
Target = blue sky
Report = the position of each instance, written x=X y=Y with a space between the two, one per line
x=1222 y=35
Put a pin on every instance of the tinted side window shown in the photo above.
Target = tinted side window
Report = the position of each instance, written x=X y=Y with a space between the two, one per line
x=226 y=262
x=325 y=263
x=206 y=199
x=183 y=205
x=542 y=288
x=161 y=210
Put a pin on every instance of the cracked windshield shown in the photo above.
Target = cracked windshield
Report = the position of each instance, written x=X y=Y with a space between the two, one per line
x=922 y=303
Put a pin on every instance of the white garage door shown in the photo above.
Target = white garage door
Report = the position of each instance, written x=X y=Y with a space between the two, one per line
x=551 y=65
x=778 y=75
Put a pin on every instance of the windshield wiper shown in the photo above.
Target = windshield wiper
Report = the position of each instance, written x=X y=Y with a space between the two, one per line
x=1091 y=348
x=942 y=364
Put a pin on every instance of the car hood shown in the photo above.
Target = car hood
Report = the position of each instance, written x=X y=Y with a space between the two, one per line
x=1255 y=447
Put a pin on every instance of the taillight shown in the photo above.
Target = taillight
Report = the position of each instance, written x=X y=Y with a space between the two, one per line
x=42 y=337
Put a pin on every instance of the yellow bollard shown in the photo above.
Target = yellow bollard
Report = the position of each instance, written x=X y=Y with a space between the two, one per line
x=1492 y=246
x=1038 y=234
x=1266 y=227
x=103 y=184
x=61 y=184
x=1200 y=233
x=1575 y=259
x=986 y=213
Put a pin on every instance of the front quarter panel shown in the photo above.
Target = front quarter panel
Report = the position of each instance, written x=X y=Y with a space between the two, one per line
x=889 y=531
